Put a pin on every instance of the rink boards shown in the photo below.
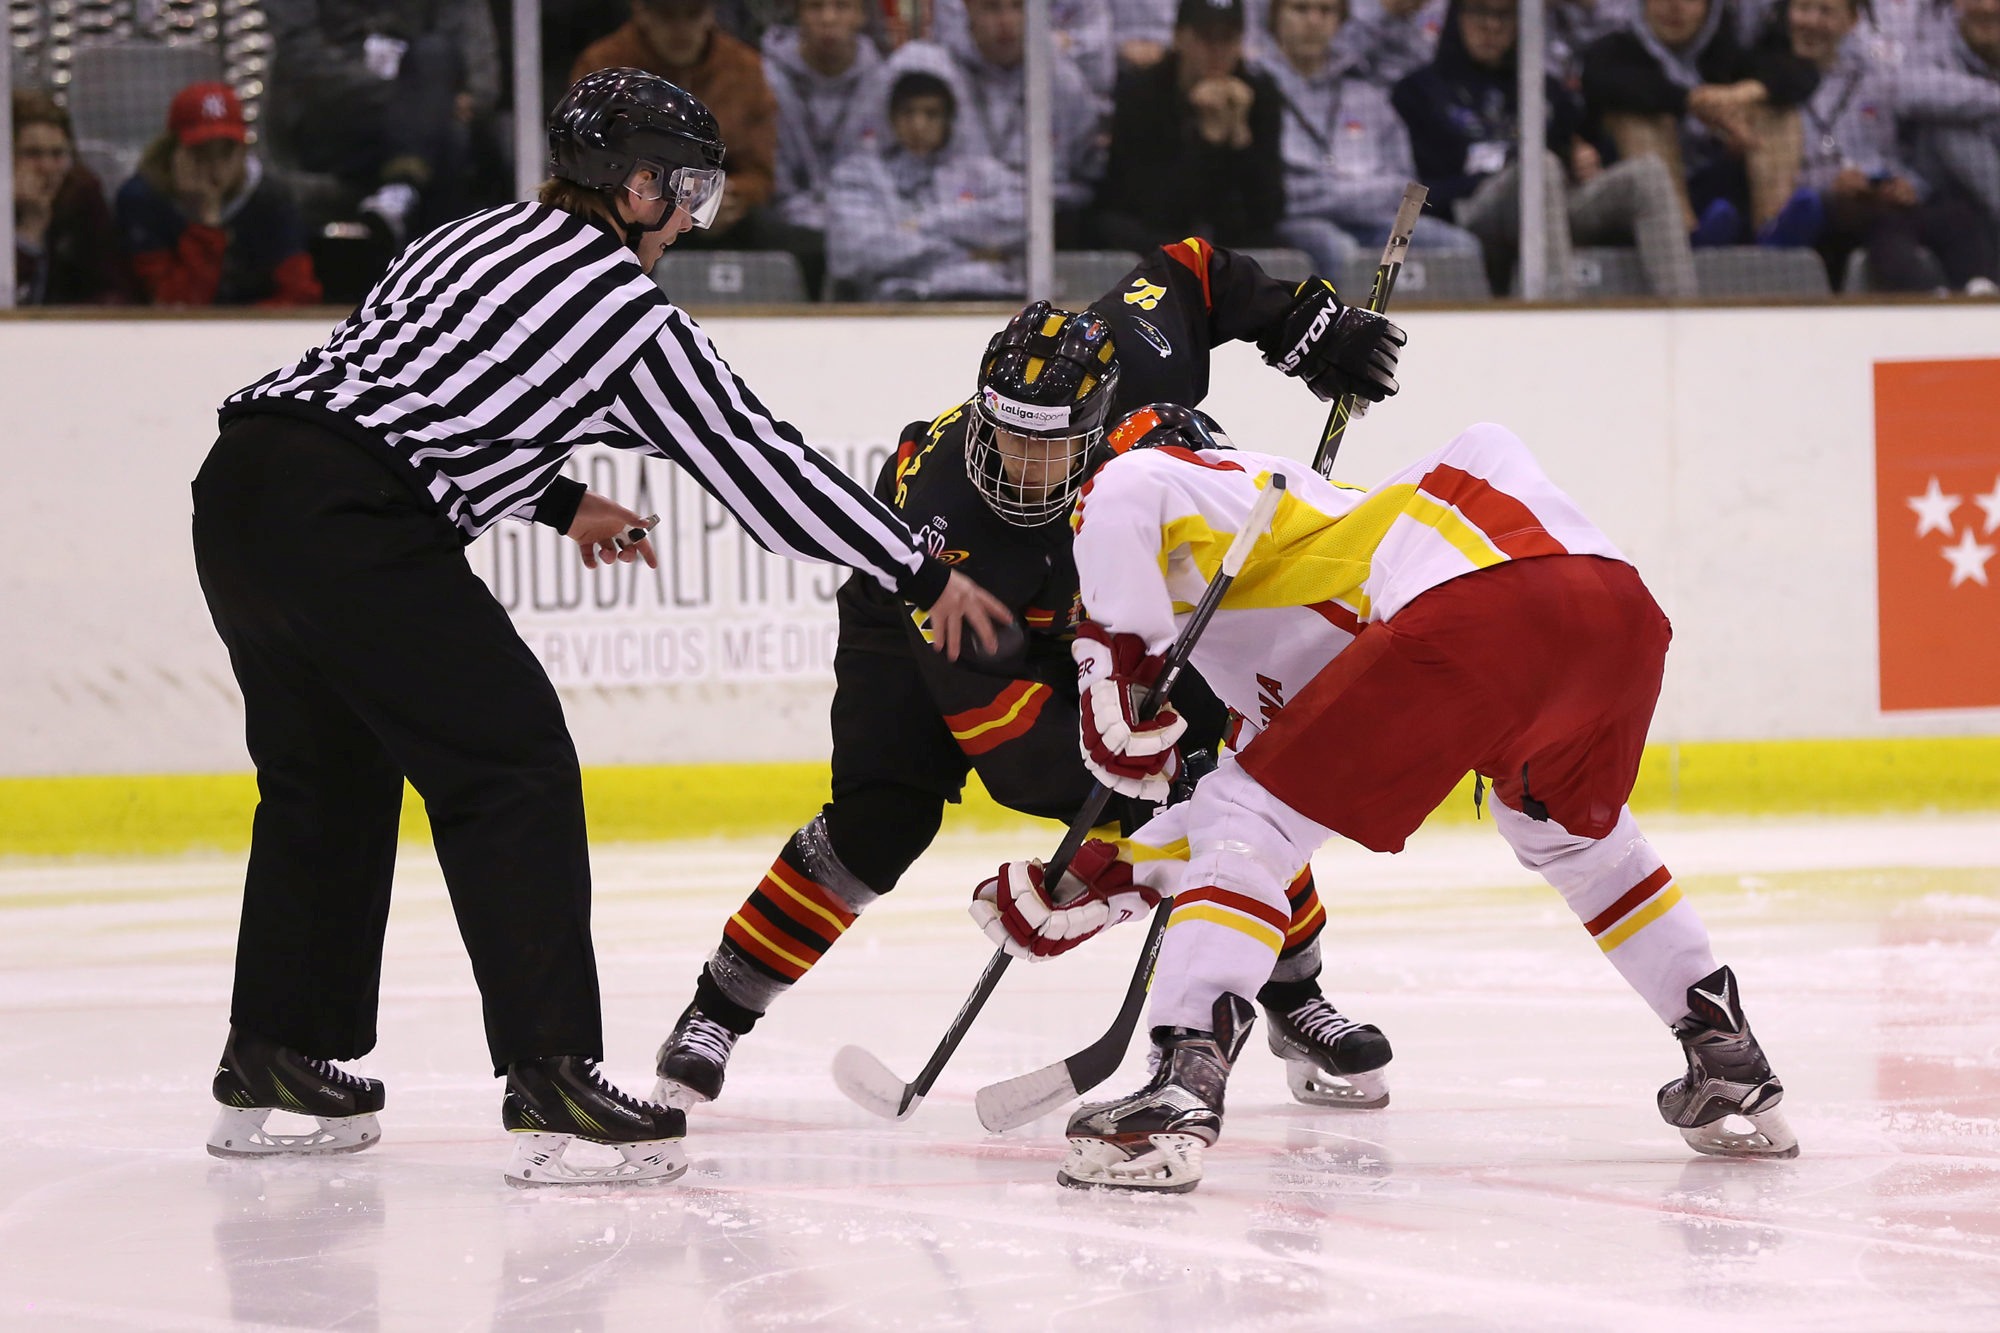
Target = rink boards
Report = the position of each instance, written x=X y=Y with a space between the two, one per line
x=1732 y=453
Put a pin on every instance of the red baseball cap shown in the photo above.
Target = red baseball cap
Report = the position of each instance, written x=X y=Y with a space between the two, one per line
x=205 y=111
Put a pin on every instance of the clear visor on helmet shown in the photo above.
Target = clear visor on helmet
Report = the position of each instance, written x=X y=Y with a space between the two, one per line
x=1028 y=480
x=698 y=190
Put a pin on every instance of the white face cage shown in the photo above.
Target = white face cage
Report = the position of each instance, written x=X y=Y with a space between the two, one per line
x=1024 y=506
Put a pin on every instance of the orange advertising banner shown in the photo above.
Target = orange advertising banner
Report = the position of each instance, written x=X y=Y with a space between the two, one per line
x=1937 y=531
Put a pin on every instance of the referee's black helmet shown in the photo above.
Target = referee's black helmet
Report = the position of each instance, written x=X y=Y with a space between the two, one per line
x=611 y=120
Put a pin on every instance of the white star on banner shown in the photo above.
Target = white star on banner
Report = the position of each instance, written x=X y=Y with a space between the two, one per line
x=1990 y=502
x=1968 y=560
x=1934 y=509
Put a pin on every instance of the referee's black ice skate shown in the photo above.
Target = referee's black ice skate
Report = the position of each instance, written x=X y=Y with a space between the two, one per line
x=693 y=1059
x=1153 y=1140
x=1330 y=1059
x=556 y=1100
x=1728 y=1079
x=256 y=1077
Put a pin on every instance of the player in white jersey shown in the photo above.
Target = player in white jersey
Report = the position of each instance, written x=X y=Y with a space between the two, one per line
x=1463 y=615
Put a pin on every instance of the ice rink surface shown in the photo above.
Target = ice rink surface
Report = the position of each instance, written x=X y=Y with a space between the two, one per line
x=1520 y=1179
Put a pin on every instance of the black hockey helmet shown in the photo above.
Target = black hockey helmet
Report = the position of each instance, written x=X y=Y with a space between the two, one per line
x=612 y=121
x=1049 y=375
x=1160 y=424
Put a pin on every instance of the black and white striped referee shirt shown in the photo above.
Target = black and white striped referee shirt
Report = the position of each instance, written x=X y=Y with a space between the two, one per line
x=497 y=344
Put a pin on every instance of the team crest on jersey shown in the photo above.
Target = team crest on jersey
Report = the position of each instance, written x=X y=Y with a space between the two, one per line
x=1145 y=295
x=1153 y=336
x=931 y=537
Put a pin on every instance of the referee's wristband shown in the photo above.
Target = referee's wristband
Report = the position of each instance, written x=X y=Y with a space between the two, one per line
x=925 y=584
x=558 y=504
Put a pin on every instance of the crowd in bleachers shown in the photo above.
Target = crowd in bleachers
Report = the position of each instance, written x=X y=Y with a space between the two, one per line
x=883 y=142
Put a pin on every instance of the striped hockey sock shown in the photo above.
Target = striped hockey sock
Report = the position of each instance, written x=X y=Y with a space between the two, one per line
x=802 y=906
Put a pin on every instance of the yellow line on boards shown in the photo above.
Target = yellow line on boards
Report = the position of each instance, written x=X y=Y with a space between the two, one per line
x=163 y=814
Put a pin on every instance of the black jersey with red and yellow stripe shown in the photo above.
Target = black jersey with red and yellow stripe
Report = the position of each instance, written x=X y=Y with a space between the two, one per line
x=1175 y=306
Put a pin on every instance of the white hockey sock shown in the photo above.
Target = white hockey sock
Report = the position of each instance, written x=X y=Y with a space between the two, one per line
x=1626 y=898
x=1231 y=911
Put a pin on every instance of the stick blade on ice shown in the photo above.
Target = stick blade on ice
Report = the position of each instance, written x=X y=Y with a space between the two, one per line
x=870 y=1084
x=1014 y=1102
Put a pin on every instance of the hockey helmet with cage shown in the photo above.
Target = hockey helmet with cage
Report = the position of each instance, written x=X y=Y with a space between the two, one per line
x=612 y=122
x=1049 y=376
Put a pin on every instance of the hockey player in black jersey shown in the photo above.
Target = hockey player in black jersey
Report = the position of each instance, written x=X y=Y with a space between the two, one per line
x=987 y=486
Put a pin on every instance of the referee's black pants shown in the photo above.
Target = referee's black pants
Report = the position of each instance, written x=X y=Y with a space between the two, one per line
x=367 y=650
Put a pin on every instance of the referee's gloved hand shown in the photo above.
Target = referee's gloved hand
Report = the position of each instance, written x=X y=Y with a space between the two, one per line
x=601 y=529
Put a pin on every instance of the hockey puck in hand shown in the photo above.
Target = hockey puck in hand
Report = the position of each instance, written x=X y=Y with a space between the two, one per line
x=1010 y=648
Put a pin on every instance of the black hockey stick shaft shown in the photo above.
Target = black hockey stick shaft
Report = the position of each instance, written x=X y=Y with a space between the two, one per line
x=1100 y=795
x=1384 y=286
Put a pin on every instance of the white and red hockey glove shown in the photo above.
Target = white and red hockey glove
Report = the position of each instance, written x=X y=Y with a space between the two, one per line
x=1130 y=756
x=1016 y=912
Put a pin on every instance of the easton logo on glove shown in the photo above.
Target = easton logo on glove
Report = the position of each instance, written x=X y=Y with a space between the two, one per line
x=1312 y=334
x=1016 y=911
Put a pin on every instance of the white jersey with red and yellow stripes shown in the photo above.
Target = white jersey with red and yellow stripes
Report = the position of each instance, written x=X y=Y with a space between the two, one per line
x=1151 y=531
x=1152 y=526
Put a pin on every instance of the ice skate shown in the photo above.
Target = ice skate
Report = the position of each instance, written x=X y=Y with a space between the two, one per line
x=1154 y=1139
x=1330 y=1059
x=256 y=1077
x=557 y=1100
x=693 y=1060
x=1729 y=1083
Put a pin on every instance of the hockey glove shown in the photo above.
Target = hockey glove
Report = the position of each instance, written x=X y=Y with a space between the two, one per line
x=1016 y=912
x=1335 y=348
x=1130 y=756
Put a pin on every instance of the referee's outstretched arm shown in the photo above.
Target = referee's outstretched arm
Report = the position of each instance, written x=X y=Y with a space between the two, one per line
x=681 y=401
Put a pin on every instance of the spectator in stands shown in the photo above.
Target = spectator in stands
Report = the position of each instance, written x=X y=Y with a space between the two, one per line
x=66 y=249
x=1195 y=142
x=568 y=27
x=202 y=221
x=1682 y=83
x=386 y=96
x=1142 y=29
x=1346 y=153
x=1390 y=38
x=989 y=83
x=926 y=218
x=1081 y=31
x=1463 y=110
x=828 y=82
x=1574 y=25
x=1870 y=197
x=1951 y=98
x=1906 y=32
x=679 y=40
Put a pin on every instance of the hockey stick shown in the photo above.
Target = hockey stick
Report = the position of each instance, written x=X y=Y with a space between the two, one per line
x=1386 y=274
x=868 y=1082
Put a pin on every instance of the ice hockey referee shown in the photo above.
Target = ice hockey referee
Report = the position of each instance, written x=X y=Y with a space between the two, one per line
x=329 y=525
